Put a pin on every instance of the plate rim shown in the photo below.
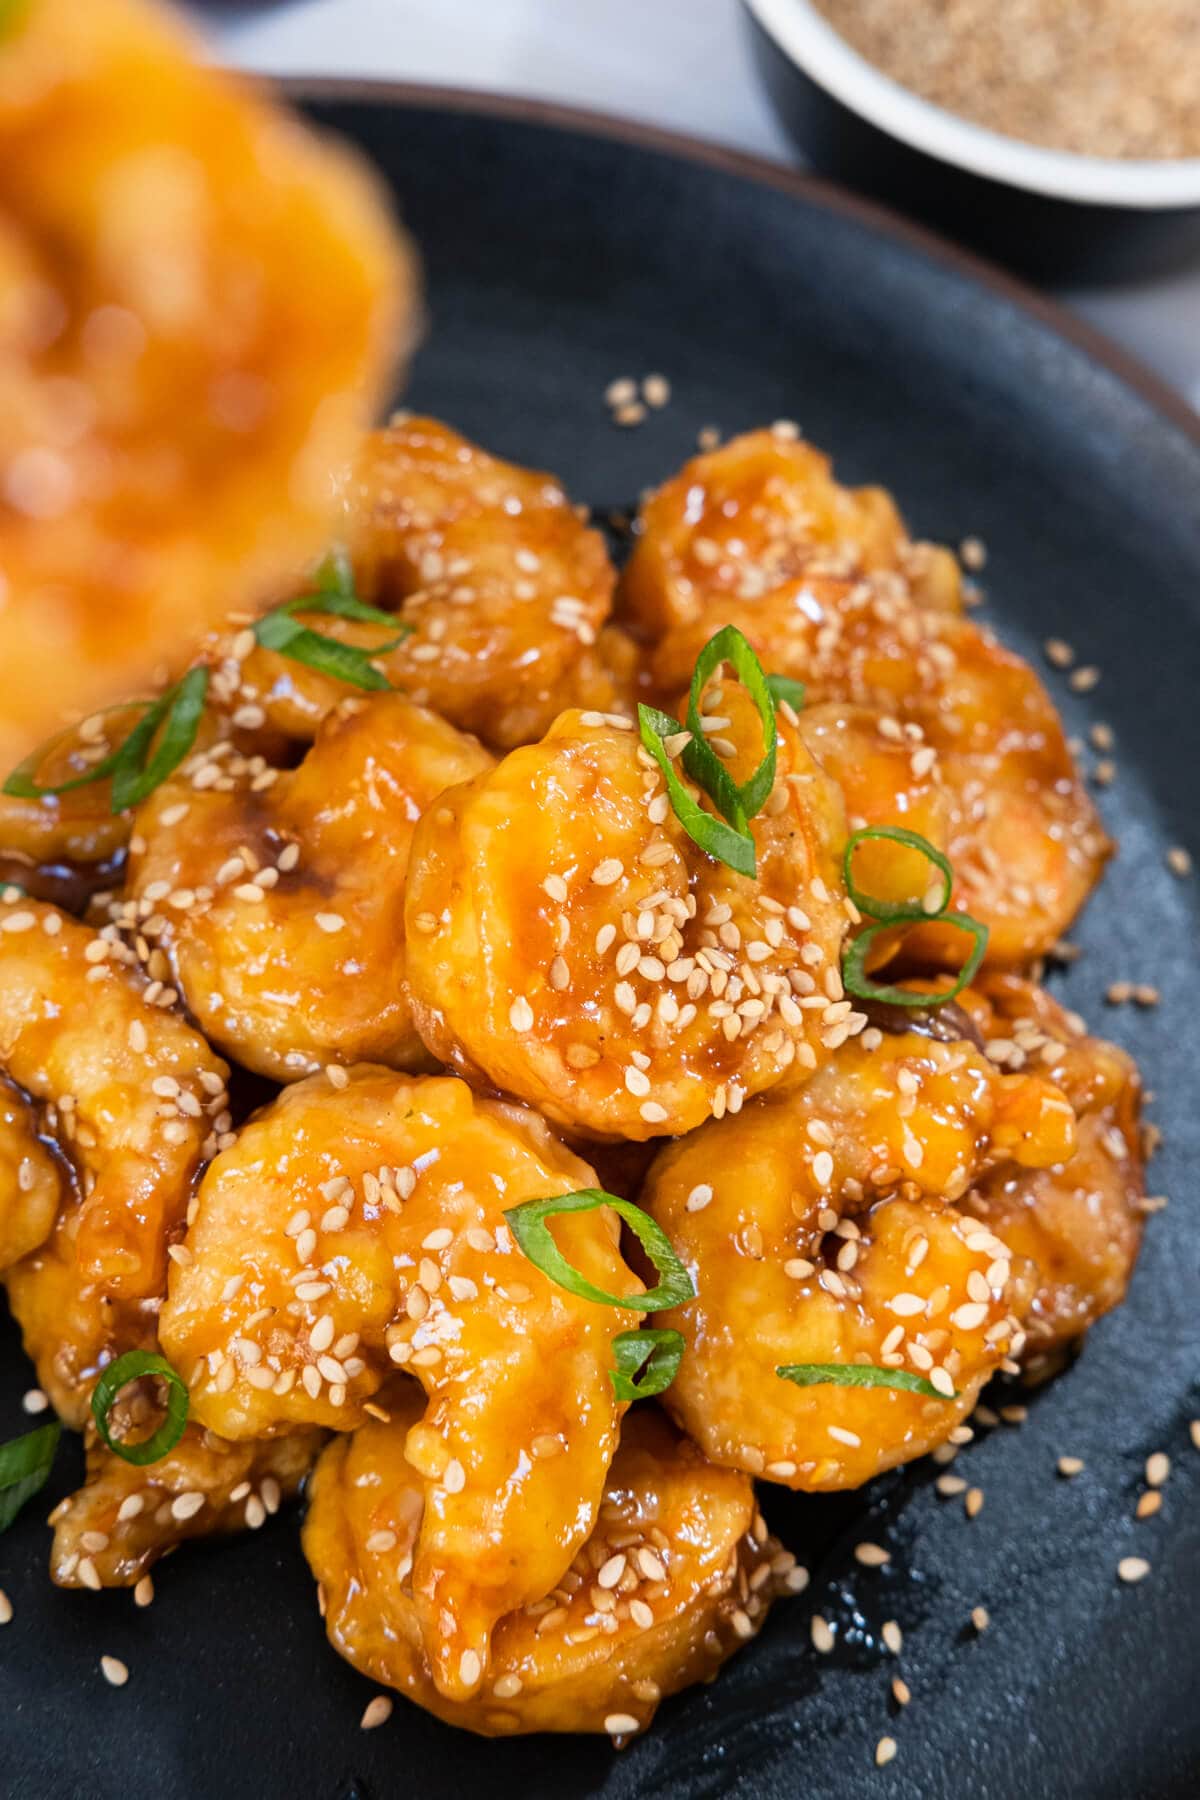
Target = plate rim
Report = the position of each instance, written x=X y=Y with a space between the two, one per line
x=765 y=171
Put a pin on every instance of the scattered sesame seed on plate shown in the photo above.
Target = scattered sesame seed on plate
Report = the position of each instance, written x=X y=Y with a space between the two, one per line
x=1179 y=861
x=1148 y=1504
x=980 y=1618
x=1059 y=653
x=35 y=1401
x=1070 y=1465
x=973 y=1503
x=872 y=1556
x=6 y=1608
x=376 y=1712
x=1133 y=1568
x=901 y=1692
x=1158 y=1468
x=1194 y=1432
x=892 y=1636
x=885 y=1750
x=822 y=1635
x=114 y=1671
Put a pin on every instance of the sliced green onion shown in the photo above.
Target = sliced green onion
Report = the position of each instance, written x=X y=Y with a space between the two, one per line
x=25 y=1462
x=856 y=981
x=140 y=766
x=895 y=910
x=529 y=1227
x=734 y=848
x=647 y=1363
x=22 y=786
x=736 y=803
x=131 y=1367
x=858 y=1375
x=335 y=595
x=784 y=688
x=137 y=766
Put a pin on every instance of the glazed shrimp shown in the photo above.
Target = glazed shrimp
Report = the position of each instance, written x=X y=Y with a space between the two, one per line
x=677 y=1574
x=818 y=1229
x=203 y=306
x=31 y=1179
x=502 y=587
x=1023 y=837
x=78 y=828
x=764 y=508
x=124 y=1518
x=1080 y=1221
x=569 y=943
x=278 y=901
x=358 y=1228
x=131 y=1092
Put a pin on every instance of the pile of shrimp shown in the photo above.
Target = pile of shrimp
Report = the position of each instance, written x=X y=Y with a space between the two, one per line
x=286 y=1047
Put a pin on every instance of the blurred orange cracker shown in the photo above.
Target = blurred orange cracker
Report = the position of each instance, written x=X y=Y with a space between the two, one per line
x=202 y=304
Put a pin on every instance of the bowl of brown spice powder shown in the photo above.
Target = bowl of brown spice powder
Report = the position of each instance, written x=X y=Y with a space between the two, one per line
x=1062 y=136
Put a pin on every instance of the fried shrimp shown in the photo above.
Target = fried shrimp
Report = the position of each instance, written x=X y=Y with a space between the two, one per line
x=501 y=586
x=676 y=1576
x=571 y=944
x=71 y=1329
x=200 y=306
x=31 y=1179
x=1080 y=1221
x=819 y=1229
x=124 y=1518
x=356 y=1228
x=760 y=511
x=279 y=900
x=1023 y=835
x=130 y=1091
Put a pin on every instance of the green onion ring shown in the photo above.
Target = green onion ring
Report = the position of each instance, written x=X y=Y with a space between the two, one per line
x=856 y=981
x=528 y=1225
x=734 y=848
x=131 y=1367
x=895 y=911
x=647 y=1362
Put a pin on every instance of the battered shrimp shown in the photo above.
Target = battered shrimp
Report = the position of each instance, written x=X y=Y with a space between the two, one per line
x=358 y=1228
x=130 y=1090
x=502 y=586
x=1079 y=1222
x=763 y=509
x=569 y=943
x=279 y=902
x=31 y=1179
x=818 y=1229
x=677 y=1574
x=200 y=307
x=70 y=1328
x=1024 y=838
x=124 y=1518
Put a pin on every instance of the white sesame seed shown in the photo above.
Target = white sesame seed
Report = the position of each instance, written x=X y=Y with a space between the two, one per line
x=330 y=922
x=6 y=1608
x=186 y=1506
x=652 y=1112
x=906 y=1305
x=114 y=1671
x=619 y=1724
x=885 y=1750
x=469 y=1668
x=376 y=1712
x=1158 y=1467
x=892 y=1636
x=843 y=1436
x=872 y=1556
x=454 y=1476
x=1133 y=1568
x=699 y=1197
x=520 y=1014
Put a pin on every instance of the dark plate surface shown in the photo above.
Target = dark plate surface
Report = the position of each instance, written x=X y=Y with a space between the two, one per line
x=558 y=259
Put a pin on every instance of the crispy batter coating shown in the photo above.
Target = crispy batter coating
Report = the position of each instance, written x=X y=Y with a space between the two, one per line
x=818 y=1229
x=762 y=510
x=32 y=1178
x=1079 y=1222
x=200 y=306
x=571 y=944
x=504 y=588
x=70 y=1327
x=201 y=1488
x=279 y=901
x=1024 y=838
x=130 y=1090
x=355 y=1229
x=674 y=1578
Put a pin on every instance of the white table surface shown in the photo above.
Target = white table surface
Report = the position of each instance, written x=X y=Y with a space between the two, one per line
x=681 y=64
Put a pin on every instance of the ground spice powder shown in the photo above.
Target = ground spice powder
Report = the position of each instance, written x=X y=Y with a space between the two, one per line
x=1101 y=77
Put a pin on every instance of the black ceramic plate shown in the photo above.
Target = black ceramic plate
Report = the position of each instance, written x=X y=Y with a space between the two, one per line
x=558 y=257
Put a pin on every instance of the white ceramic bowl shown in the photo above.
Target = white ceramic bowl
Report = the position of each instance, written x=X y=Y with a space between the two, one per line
x=1052 y=212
